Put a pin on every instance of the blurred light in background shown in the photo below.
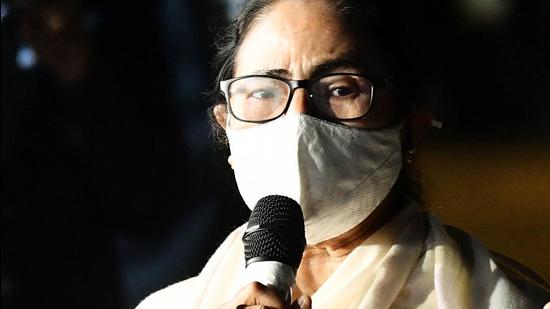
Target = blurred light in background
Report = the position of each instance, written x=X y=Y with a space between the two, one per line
x=4 y=9
x=26 y=57
x=55 y=21
x=485 y=14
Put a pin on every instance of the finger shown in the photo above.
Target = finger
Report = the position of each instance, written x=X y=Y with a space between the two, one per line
x=256 y=294
x=303 y=302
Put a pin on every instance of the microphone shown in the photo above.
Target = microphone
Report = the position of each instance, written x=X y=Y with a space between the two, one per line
x=274 y=242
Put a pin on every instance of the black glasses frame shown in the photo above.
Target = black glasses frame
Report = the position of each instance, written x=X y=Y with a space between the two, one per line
x=305 y=84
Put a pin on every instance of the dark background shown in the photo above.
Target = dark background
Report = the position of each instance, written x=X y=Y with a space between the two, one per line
x=113 y=187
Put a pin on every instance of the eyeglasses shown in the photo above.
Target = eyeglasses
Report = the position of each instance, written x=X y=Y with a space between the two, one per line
x=262 y=98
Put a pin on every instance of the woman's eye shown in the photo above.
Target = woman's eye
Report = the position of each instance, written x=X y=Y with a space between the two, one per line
x=341 y=92
x=262 y=94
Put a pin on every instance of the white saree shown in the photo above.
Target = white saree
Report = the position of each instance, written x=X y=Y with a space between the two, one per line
x=411 y=262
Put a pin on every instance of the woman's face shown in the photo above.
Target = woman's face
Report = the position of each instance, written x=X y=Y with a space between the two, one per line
x=305 y=39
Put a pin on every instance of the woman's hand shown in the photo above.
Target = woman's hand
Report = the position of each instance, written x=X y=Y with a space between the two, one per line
x=257 y=295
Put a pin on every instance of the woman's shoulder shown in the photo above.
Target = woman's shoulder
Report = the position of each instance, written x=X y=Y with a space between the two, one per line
x=500 y=276
x=510 y=267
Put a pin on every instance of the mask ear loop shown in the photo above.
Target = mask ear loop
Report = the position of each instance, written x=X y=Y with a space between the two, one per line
x=437 y=124
x=230 y=157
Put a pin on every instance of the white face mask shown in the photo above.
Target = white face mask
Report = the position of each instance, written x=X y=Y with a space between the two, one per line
x=338 y=174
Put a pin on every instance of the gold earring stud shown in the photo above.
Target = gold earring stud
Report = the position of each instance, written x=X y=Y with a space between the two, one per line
x=410 y=155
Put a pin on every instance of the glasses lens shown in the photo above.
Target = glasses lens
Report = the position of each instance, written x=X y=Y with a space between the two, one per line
x=258 y=98
x=342 y=96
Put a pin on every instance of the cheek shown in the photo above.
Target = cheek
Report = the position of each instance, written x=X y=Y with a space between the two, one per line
x=384 y=108
x=382 y=113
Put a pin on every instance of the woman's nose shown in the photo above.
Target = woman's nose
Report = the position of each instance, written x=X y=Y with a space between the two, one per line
x=299 y=102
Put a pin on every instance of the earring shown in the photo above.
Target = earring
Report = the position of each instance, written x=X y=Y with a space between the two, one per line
x=410 y=155
x=230 y=161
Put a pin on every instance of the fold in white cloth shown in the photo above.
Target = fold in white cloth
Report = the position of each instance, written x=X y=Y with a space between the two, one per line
x=411 y=262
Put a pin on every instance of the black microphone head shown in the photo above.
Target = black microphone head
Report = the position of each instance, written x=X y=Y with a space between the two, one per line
x=275 y=232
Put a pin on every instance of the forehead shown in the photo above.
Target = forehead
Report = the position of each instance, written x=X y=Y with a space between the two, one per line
x=296 y=36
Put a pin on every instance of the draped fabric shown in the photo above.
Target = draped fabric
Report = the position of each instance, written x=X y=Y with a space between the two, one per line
x=411 y=262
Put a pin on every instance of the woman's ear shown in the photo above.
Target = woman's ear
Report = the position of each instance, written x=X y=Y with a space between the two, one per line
x=220 y=113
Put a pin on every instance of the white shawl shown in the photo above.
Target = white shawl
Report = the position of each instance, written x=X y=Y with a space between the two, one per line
x=411 y=262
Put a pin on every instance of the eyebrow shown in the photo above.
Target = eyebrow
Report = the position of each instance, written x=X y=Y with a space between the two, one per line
x=332 y=65
x=318 y=70
x=273 y=72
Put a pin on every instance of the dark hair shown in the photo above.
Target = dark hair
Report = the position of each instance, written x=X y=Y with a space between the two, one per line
x=356 y=15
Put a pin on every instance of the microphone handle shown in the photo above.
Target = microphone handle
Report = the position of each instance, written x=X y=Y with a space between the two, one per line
x=276 y=275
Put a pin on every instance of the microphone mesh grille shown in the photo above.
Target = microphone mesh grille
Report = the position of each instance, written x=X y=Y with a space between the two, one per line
x=282 y=239
x=276 y=209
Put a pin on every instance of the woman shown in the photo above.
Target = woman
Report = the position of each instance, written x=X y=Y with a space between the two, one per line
x=313 y=110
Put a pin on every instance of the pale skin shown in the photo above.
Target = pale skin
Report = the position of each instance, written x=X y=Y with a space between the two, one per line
x=298 y=48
